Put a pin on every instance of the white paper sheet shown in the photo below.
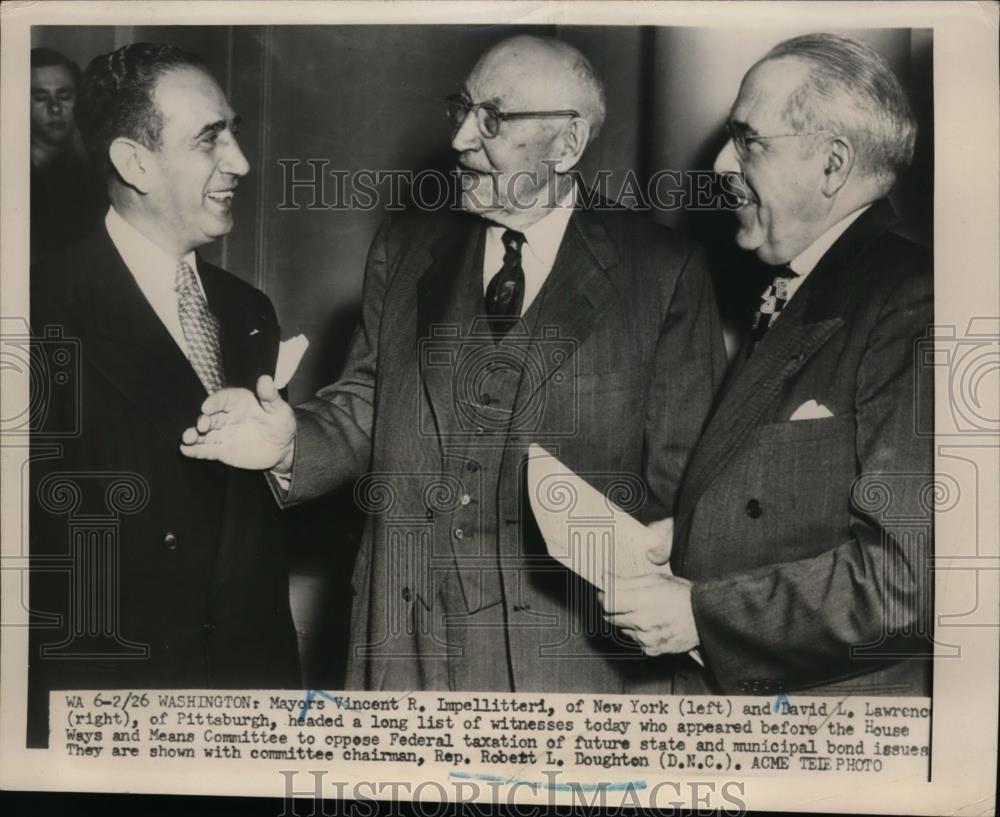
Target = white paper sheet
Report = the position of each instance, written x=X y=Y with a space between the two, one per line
x=586 y=531
x=290 y=354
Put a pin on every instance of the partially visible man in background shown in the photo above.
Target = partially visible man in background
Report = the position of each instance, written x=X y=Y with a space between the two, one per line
x=67 y=197
x=795 y=576
x=186 y=586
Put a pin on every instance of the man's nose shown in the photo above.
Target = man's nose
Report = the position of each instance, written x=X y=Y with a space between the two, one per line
x=727 y=161
x=467 y=137
x=233 y=161
x=55 y=106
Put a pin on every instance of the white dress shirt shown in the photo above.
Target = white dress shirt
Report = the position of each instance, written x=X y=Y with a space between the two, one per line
x=154 y=270
x=538 y=254
x=806 y=261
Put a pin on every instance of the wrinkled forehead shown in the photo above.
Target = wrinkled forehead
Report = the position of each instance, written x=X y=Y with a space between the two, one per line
x=765 y=92
x=520 y=78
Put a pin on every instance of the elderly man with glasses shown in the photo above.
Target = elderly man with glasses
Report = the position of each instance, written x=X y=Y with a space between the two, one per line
x=521 y=318
x=804 y=526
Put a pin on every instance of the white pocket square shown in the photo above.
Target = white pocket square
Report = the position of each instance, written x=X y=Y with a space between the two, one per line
x=811 y=410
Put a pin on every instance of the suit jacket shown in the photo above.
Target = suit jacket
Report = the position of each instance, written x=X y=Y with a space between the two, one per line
x=624 y=356
x=809 y=540
x=187 y=557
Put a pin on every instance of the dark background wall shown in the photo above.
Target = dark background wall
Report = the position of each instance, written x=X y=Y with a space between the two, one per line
x=369 y=97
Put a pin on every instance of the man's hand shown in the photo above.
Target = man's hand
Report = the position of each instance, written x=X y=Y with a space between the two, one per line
x=243 y=430
x=654 y=610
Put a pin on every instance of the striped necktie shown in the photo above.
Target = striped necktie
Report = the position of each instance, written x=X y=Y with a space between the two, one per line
x=201 y=329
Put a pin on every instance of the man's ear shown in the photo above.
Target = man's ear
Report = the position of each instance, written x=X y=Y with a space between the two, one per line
x=574 y=143
x=132 y=161
x=838 y=164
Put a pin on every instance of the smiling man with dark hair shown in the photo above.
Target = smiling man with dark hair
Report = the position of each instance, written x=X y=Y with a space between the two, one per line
x=195 y=592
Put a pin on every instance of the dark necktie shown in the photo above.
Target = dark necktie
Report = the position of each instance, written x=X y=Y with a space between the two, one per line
x=771 y=303
x=505 y=293
x=201 y=329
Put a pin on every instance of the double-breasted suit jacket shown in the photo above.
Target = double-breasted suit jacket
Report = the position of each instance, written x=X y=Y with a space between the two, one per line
x=806 y=576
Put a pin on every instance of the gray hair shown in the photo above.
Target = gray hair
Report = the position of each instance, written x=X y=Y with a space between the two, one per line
x=592 y=93
x=851 y=89
x=588 y=96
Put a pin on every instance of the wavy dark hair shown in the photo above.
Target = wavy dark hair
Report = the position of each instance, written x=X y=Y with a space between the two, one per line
x=116 y=97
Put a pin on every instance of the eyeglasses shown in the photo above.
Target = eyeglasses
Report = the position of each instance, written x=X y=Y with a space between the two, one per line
x=738 y=133
x=489 y=116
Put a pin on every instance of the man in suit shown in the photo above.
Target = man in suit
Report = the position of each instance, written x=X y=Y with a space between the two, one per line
x=149 y=569
x=803 y=529
x=521 y=318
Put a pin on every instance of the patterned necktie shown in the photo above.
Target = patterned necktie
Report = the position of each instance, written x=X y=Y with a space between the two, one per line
x=201 y=329
x=771 y=303
x=505 y=293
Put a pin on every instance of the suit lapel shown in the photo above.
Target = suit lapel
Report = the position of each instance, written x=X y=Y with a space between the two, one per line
x=810 y=320
x=246 y=337
x=574 y=296
x=132 y=347
x=449 y=297
x=751 y=394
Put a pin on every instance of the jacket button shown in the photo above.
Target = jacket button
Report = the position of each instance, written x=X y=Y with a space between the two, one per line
x=754 y=510
x=465 y=500
x=429 y=515
x=407 y=594
x=486 y=398
x=170 y=541
x=472 y=465
x=208 y=628
x=459 y=533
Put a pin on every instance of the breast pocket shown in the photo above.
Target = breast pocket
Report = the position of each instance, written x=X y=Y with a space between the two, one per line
x=803 y=431
x=801 y=472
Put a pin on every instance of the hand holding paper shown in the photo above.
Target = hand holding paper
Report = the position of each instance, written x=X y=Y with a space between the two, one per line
x=629 y=562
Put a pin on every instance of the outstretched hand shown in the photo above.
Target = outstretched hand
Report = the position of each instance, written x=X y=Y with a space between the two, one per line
x=244 y=430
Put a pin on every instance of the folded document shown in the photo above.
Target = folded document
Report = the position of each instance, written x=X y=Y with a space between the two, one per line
x=586 y=531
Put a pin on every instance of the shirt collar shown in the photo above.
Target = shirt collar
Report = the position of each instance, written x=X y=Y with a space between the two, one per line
x=545 y=235
x=805 y=261
x=138 y=252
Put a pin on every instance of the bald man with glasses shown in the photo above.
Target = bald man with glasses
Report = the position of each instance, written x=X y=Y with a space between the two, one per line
x=522 y=318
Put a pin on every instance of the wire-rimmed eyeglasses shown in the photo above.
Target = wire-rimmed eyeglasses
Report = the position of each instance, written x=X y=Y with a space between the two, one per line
x=742 y=138
x=489 y=116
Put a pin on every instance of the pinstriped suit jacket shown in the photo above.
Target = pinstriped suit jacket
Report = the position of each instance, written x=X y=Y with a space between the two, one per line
x=632 y=305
